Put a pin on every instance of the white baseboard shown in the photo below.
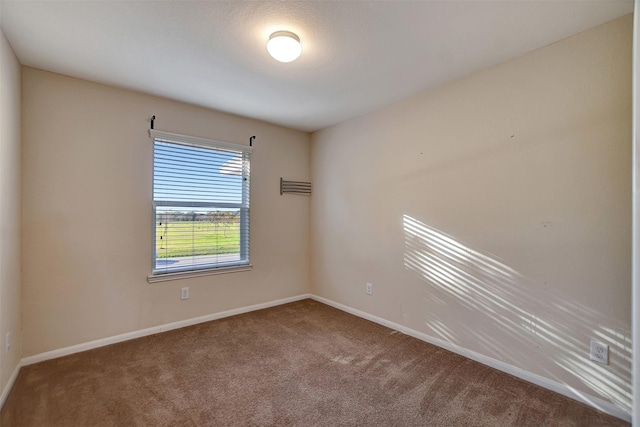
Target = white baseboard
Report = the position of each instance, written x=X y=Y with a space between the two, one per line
x=9 y=386
x=41 y=357
x=555 y=386
x=154 y=330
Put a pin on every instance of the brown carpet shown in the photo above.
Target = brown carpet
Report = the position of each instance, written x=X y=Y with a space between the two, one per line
x=302 y=364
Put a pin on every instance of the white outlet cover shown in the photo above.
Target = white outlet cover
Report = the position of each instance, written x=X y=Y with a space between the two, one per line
x=599 y=352
x=184 y=294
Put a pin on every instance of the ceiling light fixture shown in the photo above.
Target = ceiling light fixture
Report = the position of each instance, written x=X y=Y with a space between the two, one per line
x=284 y=46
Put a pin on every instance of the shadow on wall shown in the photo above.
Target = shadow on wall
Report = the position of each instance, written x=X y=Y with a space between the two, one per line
x=507 y=308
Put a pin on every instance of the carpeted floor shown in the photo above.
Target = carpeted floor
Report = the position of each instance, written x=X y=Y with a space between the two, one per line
x=303 y=364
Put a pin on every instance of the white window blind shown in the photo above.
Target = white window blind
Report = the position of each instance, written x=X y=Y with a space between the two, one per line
x=200 y=203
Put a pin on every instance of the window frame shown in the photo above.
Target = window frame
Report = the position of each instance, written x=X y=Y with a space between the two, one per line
x=244 y=263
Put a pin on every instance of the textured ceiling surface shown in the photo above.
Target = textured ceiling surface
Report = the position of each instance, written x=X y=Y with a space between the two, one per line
x=357 y=55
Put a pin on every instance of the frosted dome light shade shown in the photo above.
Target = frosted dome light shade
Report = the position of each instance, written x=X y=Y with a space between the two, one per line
x=284 y=46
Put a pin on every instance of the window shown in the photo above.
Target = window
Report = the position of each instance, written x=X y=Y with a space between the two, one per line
x=200 y=205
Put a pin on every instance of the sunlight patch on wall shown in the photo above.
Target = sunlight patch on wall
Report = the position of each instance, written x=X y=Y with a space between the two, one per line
x=513 y=318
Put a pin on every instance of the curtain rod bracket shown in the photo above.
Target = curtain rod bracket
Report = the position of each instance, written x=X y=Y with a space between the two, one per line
x=153 y=118
x=251 y=141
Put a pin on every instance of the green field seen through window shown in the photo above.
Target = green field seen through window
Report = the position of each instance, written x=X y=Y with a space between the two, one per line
x=184 y=238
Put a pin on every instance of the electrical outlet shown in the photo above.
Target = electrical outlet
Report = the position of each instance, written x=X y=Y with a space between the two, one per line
x=7 y=343
x=185 y=293
x=369 y=289
x=599 y=352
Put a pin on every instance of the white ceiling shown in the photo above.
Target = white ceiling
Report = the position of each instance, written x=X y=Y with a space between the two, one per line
x=357 y=55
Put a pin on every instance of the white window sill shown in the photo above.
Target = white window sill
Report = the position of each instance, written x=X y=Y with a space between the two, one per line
x=163 y=277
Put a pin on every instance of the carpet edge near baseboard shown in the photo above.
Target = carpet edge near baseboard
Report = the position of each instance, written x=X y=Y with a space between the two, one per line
x=9 y=386
x=539 y=380
x=563 y=389
x=65 y=351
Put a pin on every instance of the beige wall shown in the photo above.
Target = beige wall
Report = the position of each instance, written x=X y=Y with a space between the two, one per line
x=493 y=212
x=87 y=177
x=10 y=313
x=636 y=214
